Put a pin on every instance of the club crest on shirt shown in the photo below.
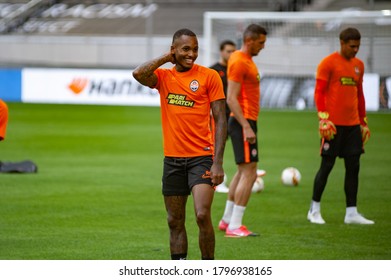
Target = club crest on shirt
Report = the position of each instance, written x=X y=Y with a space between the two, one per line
x=357 y=70
x=194 y=85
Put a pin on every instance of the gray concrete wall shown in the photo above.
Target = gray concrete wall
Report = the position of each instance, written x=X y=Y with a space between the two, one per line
x=82 y=51
x=281 y=56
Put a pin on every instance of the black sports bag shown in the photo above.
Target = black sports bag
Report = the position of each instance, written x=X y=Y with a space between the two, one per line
x=26 y=166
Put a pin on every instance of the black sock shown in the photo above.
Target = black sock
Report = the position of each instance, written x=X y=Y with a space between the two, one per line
x=179 y=256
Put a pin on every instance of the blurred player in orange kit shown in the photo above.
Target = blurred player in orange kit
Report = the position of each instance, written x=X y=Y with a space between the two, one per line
x=343 y=125
x=243 y=100
x=3 y=119
x=193 y=162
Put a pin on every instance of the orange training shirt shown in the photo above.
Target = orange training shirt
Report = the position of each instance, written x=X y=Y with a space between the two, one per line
x=343 y=77
x=185 y=99
x=3 y=119
x=242 y=69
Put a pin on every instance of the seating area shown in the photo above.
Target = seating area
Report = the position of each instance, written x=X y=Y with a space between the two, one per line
x=116 y=17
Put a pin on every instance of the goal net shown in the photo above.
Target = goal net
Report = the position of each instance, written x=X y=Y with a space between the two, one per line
x=296 y=43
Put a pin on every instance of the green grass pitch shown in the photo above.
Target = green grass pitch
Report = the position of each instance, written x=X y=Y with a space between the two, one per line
x=97 y=193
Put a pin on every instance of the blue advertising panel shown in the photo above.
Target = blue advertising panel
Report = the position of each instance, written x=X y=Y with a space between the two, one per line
x=10 y=84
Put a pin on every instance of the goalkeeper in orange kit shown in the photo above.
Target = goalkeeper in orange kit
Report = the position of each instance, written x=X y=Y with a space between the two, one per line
x=343 y=125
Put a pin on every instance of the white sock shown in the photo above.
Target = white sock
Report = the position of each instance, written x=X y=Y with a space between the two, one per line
x=315 y=206
x=351 y=211
x=237 y=216
x=229 y=205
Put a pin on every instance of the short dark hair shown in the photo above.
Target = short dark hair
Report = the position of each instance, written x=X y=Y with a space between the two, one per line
x=226 y=42
x=349 y=33
x=253 y=31
x=183 y=31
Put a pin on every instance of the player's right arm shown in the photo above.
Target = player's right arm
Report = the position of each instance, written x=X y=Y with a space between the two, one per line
x=327 y=128
x=144 y=73
x=320 y=95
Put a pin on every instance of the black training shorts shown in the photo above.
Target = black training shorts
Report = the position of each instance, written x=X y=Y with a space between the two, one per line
x=347 y=142
x=180 y=175
x=244 y=152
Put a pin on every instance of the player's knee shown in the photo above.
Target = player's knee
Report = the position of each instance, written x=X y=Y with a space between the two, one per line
x=352 y=164
x=252 y=174
x=327 y=163
x=202 y=216
x=176 y=221
x=248 y=171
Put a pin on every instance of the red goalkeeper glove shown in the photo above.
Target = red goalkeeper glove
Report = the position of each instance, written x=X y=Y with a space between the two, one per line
x=327 y=129
x=365 y=133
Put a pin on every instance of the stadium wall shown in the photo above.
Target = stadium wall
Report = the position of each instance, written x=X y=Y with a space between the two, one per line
x=80 y=51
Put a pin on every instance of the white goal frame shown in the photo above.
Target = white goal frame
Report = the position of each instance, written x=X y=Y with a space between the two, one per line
x=346 y=17
x=297 y=42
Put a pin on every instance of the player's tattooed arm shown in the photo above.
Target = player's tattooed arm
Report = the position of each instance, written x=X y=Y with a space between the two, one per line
x=144 y=73
x=219 y=116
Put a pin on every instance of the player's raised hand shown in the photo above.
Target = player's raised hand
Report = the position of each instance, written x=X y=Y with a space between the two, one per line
x=171 y=57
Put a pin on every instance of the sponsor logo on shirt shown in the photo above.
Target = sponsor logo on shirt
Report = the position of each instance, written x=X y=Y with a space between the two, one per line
x=347 y=81
x=179 y=100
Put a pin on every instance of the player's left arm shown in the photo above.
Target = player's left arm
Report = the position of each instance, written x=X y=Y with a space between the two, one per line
x=365 y=132
x=218 y=112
